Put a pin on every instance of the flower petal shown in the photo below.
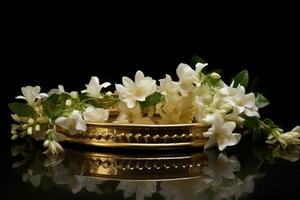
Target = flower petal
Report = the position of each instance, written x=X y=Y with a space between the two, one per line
x=139 y=76
x=127 y=82
x=229 y=127
x=105 y=84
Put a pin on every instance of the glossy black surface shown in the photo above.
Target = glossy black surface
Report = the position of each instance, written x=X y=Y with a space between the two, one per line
x=247 y=171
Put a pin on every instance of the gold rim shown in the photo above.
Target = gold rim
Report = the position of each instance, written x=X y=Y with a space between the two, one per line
x=140 y=136
x=146 y=125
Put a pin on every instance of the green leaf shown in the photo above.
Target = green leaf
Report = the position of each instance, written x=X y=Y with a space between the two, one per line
x=196 y=59
x=96 y=103
x=261 y=101
x=50 y=103
x=54 y=106
x=63 y=97
x=270 y=123
x=21 y=109
x=59 y=111
x=152 y=100
x=251 y=122
x=256 y=134
x=241 y=78
x=83 y=97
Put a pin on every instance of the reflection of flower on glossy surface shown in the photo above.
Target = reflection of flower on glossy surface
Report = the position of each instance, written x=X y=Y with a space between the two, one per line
x=40 y=166
x=63 y=176
x=34 y=179
x=267 y=154
x=141 y=189
x=221 y=166
x=223 y=176
x=183 y=189
x=220 y=181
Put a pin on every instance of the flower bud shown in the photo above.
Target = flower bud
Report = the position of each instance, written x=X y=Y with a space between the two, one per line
x=15 y=127
x=37 y=127
x=14 y=137
x=68 y=102
x=109 y=93
x=29 y=130
x=24 y=126
x=46 y=143
x=30 y=121
x=215 y=75
x=74 y=94
x=16 y=118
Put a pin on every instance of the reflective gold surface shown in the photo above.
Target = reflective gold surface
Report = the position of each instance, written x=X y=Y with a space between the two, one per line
x=140 y=136
x=140 y=167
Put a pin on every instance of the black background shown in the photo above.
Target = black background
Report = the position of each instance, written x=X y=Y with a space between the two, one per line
x=48 y=45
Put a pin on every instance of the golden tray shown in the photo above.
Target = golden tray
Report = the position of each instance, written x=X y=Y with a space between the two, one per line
x=140 y=136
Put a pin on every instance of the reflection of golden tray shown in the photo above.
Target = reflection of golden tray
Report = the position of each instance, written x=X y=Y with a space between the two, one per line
x=113 y=166
x=140 y=136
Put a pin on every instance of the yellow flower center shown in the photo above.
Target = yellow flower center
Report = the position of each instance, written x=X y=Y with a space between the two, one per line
x=138 y=92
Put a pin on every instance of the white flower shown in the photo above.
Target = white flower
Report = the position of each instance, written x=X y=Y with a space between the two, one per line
x=63 y=176
x=221 y=167
x=290 y=138
x=130 y=91
x=168 y=87
x=205 y=105
x=53 y=147
x=93 y=114
x=30 y=94
x=292 y=153
x=245 y=103
x=73 y=123
x=221 y=134
x=94 y=88
x=52 y=142
x=131 y=115
x=140 y=189
x=58 y=90
x=176 y=110
x=188 y=77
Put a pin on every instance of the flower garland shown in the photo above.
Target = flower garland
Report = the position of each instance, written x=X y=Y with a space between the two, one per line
x=197 y=97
